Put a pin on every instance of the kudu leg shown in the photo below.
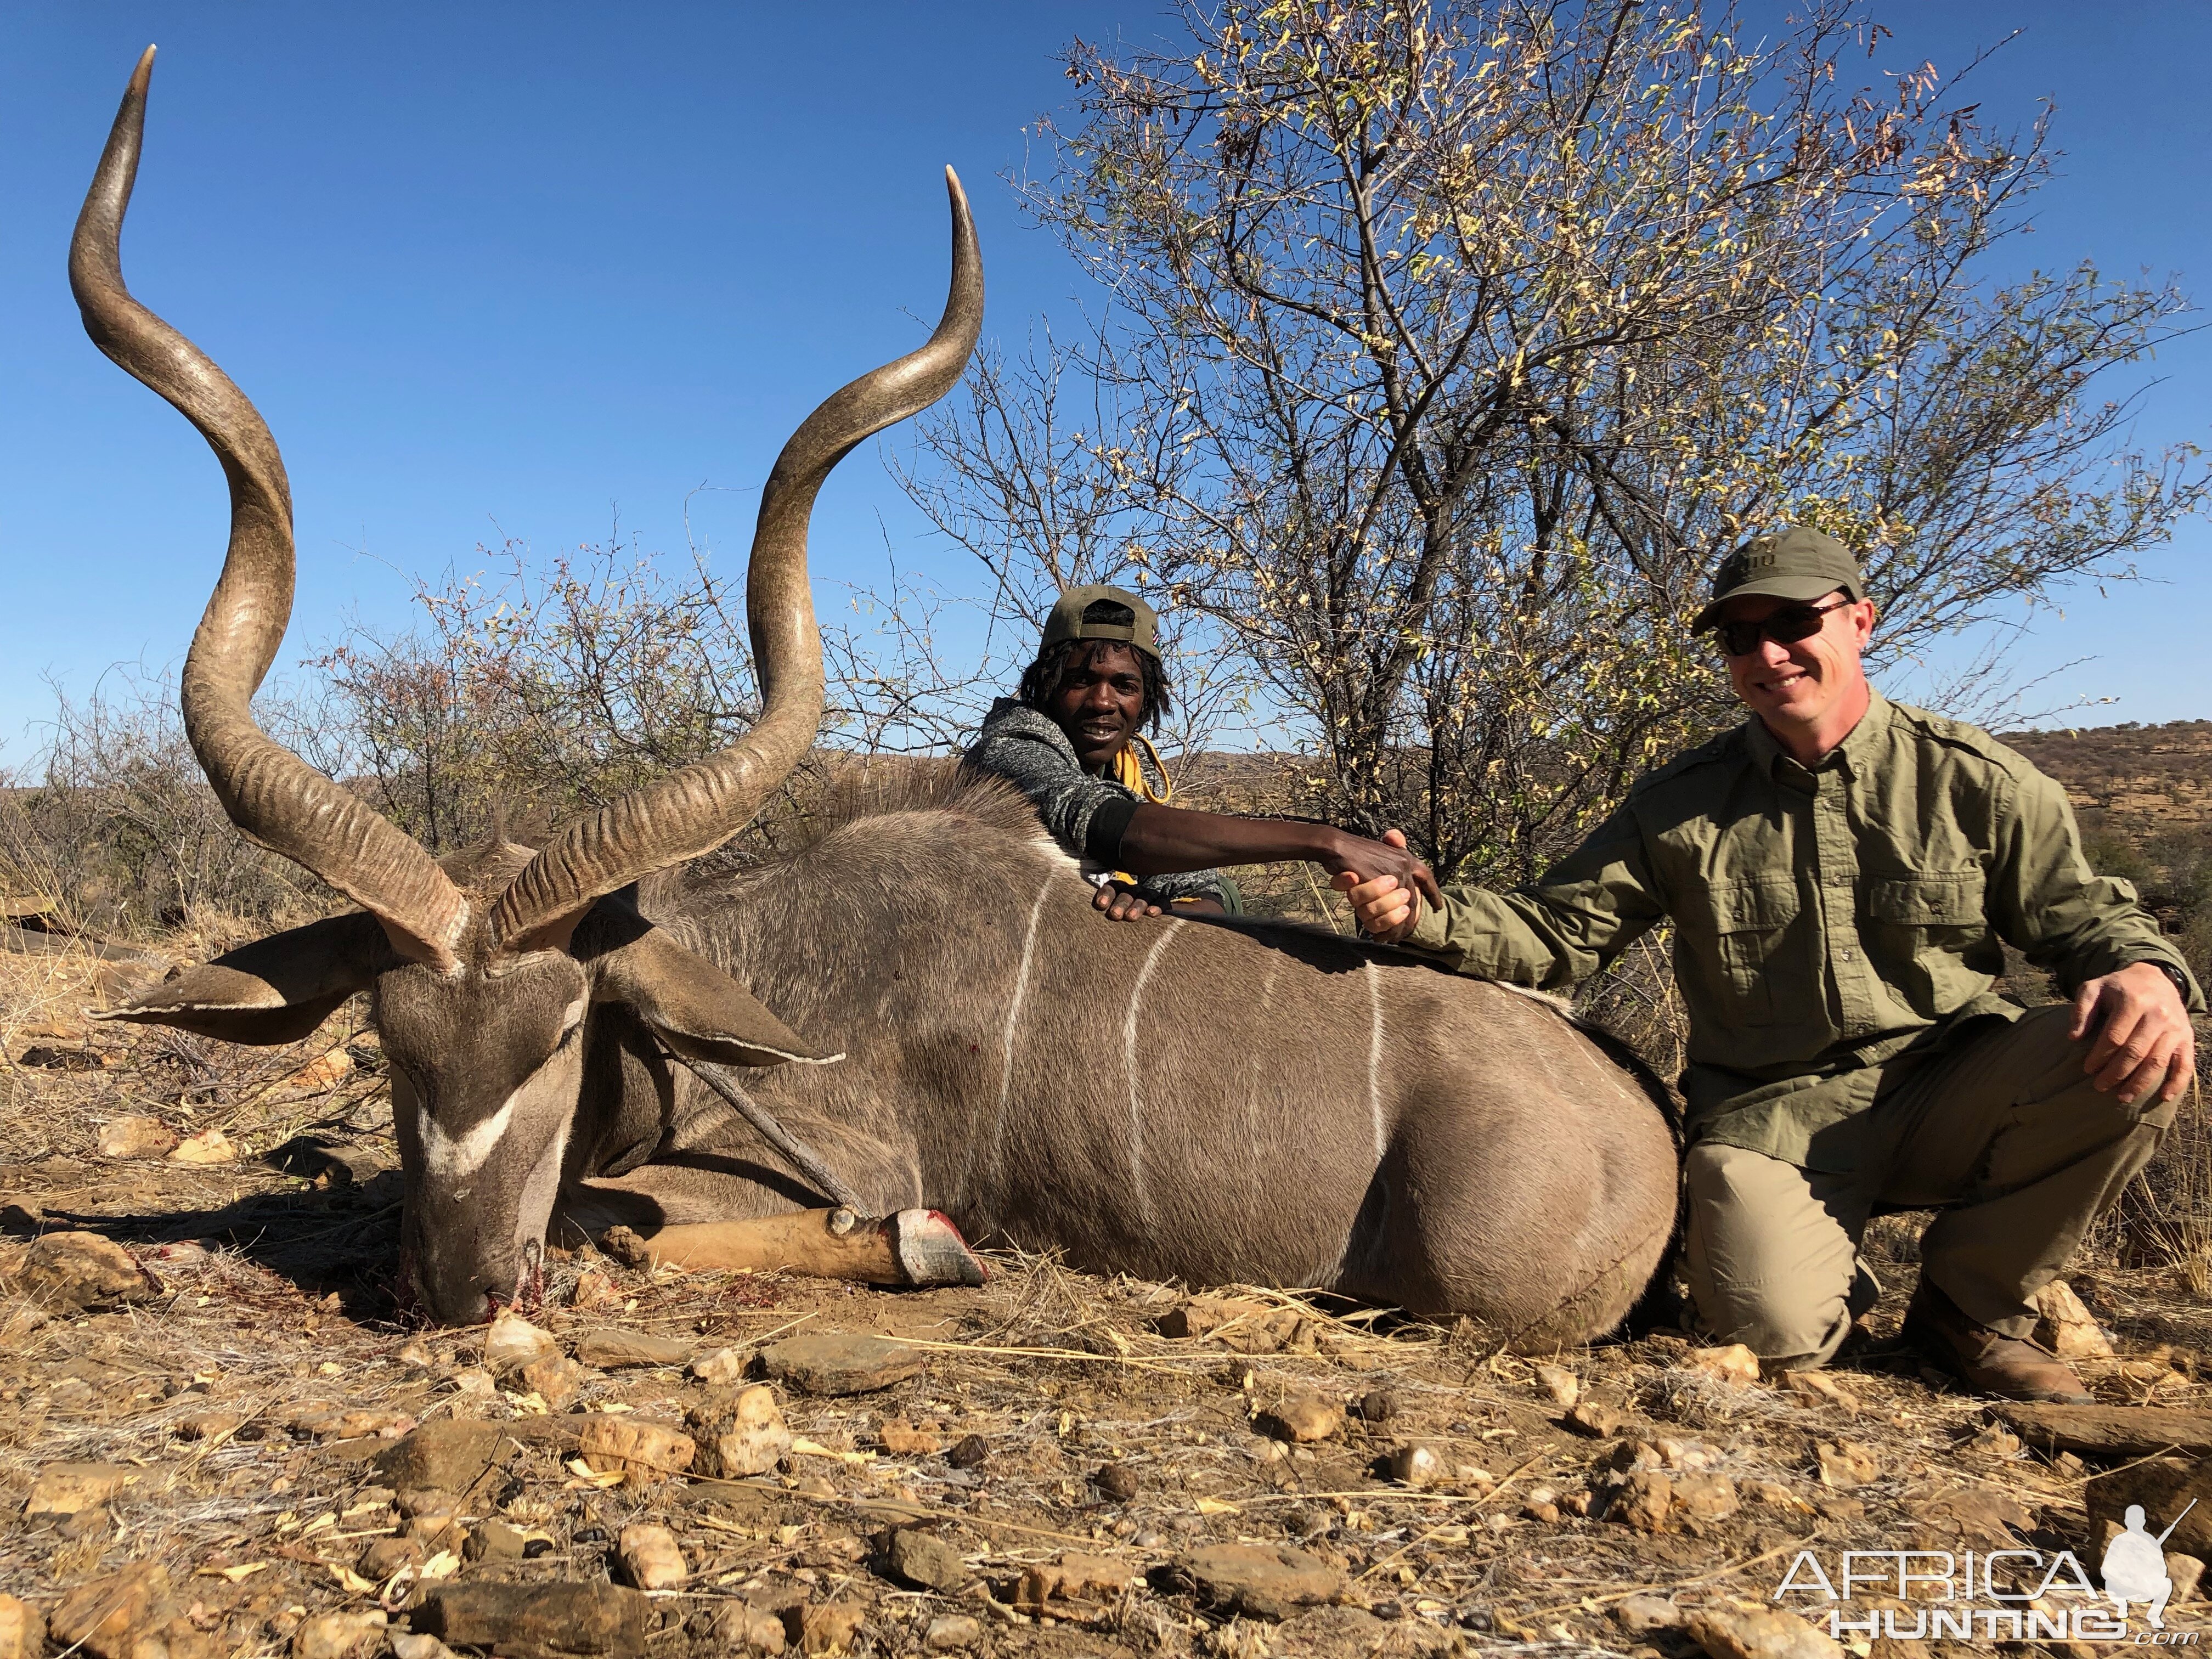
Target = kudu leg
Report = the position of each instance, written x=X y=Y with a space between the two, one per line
x=911 y=1250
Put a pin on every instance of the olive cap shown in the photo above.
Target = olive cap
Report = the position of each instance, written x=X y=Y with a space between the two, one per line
x=1119 y=615
x=1797 y=563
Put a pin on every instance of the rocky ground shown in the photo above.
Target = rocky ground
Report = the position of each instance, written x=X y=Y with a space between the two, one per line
x=218 y=1435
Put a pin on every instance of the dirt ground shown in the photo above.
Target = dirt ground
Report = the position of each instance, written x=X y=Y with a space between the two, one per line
x=265 y=1366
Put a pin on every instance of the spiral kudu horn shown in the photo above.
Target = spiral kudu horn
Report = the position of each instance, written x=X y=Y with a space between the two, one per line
x=696 y=810
x=273 y=796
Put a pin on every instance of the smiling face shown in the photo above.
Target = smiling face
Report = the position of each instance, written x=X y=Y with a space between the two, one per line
x=1100 y=700
x=1810 y=692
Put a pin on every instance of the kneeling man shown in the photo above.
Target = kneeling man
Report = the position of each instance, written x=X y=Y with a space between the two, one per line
x=1840 y=871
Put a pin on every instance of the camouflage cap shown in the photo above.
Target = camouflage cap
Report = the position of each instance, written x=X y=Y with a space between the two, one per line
x=1797 y=563
x=1099 y=612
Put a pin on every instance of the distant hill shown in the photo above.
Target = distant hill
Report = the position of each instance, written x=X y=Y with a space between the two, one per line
x=2136 y=781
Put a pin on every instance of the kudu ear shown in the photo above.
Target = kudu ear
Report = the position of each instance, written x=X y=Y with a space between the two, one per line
x=275 y=990
x=692 y=1006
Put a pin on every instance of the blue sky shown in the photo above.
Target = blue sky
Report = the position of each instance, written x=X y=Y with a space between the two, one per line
x=495 y=271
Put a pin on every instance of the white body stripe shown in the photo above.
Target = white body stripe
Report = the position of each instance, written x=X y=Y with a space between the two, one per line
x=1014 y=1019
x=1129 y=1066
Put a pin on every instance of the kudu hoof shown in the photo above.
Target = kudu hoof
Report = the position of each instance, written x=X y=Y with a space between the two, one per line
x=931 y=1251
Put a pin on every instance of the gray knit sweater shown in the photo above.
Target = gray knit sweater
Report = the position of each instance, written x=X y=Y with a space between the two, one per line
x=1085 y=814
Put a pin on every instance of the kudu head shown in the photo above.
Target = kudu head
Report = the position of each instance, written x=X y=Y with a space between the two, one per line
x=485 y=969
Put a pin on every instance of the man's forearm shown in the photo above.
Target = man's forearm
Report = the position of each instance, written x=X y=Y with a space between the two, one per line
x=1162 y=840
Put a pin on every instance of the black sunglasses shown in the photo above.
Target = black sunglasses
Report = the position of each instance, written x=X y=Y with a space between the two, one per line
x=1785 y=627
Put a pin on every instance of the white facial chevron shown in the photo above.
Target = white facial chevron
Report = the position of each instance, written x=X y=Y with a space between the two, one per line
x=454 y=1156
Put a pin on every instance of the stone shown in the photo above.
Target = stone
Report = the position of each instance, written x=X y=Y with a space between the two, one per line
x=365 y=1425
x=208 y=1147
x=1821 y=1389
x=495 y=1540
x=512 y=1342
x=1995 y=1440
x=1378 y=1407
x=1735 y=1363
x=1643 y=1613
x=1416 y=1466
x=902 y=1439
x=828 y=1628
x=611 y=1349
x=739 y=1627
x=1303 y=1418
x=737 y=1432
x=2164 y=1487
x=967 y=1452
x=1562 y=1384
x=1241 y=1327
x=338 y=1635
x=211 y=1428
x=650 y=1558
x=22 y=1629
x=550 y=1620
x=644 y=1452
x=1703 y=1497
x=1260 y=1581
x=2066 y=1327
x=135 y=1135
x=66 y=1489
x=926 y=1562
x=443 y=1455
x=593 y=1290
x=1598 y=1422
x=722 y=1368
x=126 y=1615
x=386 y=1556
x=410 y=1645
x=1848 y=1463
x=951 y=1632
x=1076 y=1587
x=841 y=1362
x=83 y=1272
x=1116 y=1482
x=1642 y=1501
x=2108 y=1432
x=1726 y=1633
x=554 y=1378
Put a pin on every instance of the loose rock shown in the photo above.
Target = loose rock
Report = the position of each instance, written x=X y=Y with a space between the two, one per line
x=208 y=1147
x=1726 y=1632
x=1642 y=1613
x=721 y=1368
x=1707 y=1497
x=967 y=1452
x=1599 y=1422
x=1416 y=1466
x=827 y=1628
x=841 y=1362
x=539 y=1620
x=593 y=1290
x=1049 y=1590
x=443 y=1455
x=338 y=1635
x=951 y=1632
x=83 y=1272
x=409 y=1645
x=130 y=1614
x=556 y=1379
x=1643 y=1500
x=926 y=1562
x=2067 y=1327
x=650 y=1557
x=1115 y=1482
x=644 y=1452
x=1303 y=1418
x=903 y=1439
x=1848 y=1463
x=1562 y=1384
x=737 y=1432
x=512 y=1342
x=496 y=1540
x=137 y=1136
x=22 y=1629
x=611 y=1349
x=66 y=1489
x=1734 y=1363
x=1259 y=1582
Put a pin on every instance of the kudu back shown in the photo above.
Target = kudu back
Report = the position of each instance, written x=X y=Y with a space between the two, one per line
x=1207 y=1101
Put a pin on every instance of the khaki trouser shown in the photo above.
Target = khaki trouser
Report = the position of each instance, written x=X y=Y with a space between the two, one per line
x=2004 y=1137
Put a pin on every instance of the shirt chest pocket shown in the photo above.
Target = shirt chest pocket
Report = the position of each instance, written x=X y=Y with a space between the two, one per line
x=1752 y=920
x=1933 y=899
x=1933 y=927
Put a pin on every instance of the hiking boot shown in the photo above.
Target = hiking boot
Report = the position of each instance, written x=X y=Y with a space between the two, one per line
x=1987 y=1361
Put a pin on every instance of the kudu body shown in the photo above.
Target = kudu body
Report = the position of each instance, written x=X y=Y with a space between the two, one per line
x=1208 y=1100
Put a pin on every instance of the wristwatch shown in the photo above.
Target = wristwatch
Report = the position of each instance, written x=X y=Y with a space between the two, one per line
x=2180 y=980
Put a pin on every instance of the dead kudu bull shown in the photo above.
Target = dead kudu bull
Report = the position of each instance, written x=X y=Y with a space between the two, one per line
x=1208 y=1102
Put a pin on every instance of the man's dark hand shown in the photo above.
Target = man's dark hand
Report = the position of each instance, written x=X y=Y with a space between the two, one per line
x=2144 y=1042
x=1385 y=884
x=1122 y=903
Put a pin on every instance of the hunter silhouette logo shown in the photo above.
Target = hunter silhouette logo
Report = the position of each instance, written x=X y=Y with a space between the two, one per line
x=2134 y=1568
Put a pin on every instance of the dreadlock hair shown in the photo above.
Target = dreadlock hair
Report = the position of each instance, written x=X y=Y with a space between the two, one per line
x=1042 y=679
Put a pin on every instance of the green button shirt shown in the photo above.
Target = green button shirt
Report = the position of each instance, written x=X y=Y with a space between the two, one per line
x=1831 y=927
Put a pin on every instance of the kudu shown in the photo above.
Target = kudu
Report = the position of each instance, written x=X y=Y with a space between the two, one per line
x=1209 y=1102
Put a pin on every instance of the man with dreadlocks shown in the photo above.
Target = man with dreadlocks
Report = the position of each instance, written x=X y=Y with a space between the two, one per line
x=1072 y=741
